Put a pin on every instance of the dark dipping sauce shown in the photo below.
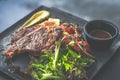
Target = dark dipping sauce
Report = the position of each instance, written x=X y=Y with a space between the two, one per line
x=100 y=34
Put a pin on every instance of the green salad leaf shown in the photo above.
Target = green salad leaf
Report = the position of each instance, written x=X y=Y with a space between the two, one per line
x=61 y=64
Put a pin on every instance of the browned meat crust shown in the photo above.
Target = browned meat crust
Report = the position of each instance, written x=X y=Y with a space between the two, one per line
x=17 y=35
x=35 y=42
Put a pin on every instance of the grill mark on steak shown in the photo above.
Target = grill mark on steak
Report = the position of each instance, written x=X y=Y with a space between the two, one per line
x=36 y=42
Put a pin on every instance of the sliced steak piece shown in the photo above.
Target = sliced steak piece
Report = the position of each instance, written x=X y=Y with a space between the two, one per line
x=36 y=42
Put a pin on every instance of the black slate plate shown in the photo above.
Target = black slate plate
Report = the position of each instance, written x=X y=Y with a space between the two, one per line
x=22 y=61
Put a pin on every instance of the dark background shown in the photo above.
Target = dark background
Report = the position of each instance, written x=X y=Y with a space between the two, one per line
x=12 y=11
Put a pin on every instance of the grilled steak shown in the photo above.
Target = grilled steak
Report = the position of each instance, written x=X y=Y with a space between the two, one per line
x=17 y=35
x=36 y=41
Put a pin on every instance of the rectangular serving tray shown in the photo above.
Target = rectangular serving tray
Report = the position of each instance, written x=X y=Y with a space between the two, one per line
x=102 y=57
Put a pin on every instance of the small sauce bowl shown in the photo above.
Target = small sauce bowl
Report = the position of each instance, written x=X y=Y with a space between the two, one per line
x=100 y=34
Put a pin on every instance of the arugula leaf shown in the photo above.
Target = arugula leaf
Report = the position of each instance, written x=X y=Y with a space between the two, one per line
x=61 y=64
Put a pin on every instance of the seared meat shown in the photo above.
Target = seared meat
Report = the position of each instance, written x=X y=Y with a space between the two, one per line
x=17 y=35
x=21 y=33
x=35 y=42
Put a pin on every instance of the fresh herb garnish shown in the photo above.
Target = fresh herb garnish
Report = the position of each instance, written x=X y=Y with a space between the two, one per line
x=62 y=64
